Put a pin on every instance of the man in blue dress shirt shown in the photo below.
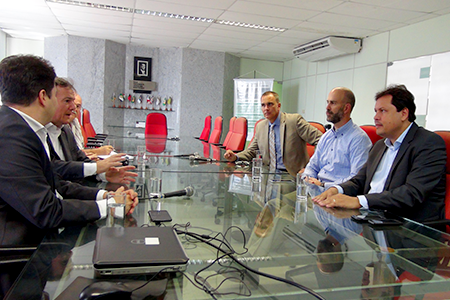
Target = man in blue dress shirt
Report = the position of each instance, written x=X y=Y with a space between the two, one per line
x=405 y=172
x=342 y=150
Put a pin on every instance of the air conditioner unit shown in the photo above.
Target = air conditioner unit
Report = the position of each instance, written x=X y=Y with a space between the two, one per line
x=328 y=47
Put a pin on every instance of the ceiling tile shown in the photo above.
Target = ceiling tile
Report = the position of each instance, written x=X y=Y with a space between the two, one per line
x=375 y=12
x=324 y=5
x=272 y=10
x=338 y=20
x=260 y=20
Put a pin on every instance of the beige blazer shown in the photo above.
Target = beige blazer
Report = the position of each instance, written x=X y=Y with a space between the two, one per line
x=295 y=132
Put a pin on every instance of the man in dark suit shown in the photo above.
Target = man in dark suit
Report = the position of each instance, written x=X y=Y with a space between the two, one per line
x=30 y=195
x=66 y=148
x=405 y=172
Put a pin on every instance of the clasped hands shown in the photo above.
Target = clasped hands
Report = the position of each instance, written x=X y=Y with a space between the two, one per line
x=332 y=198
x=131 y=199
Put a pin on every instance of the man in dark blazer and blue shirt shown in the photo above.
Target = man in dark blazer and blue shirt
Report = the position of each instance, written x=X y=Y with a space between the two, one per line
x=405 y=172
x=32 y=200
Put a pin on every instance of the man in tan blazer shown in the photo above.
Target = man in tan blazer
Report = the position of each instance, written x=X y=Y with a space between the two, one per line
x=292 y=132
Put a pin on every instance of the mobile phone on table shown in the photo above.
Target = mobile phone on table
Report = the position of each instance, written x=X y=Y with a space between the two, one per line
x=159 y=216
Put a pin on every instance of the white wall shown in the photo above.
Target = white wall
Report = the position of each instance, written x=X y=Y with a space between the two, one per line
x=365 y=73
x=24 y=46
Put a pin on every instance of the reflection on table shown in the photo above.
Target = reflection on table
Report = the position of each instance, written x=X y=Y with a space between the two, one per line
x=322 y=249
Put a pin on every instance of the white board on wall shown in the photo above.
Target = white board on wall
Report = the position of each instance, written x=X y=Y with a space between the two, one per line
x=439 y=103
x=413 y=74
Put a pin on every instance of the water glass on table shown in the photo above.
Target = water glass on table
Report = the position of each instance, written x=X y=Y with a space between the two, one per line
x=155 y=183
x=116 y=205
x=257 y=169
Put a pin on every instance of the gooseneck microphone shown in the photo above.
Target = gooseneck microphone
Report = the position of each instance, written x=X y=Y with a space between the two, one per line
x=188 y=191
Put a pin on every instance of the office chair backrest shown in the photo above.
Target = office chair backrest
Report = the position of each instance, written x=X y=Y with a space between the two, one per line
x=85 y=138
x=318 y=126
x=310 y=148
x=156 y=125
x=217 y=131
x=230 y=131
x=371 y=131
x=239 y=135
x=254 y=130
x=445 y=135
x=206 y=129
x=88 y=128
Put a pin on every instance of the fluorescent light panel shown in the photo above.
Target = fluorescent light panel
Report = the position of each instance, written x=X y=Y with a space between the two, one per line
x=167 y=15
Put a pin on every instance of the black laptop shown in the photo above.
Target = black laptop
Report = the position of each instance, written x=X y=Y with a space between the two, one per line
x=138 y=250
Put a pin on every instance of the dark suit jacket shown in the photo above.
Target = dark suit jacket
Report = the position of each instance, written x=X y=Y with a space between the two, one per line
x=28 y=205
x=72 y=167
x=415 y=187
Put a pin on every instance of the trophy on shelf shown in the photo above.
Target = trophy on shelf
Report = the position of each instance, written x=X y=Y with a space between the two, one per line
x=158 y=103
x=169 y=103
x=149 y=102
x=139 y=101
x=113 y=99
x=122 y=100
x=129 y=100
x=164 y=103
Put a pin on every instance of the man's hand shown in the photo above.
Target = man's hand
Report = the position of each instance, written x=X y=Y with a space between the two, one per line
x=230 y=156
x=331 y=198
x=121 y=175
x=315 y=181
x=328 y=193
x=103 y=150
x=92 y=156
x=132 y=200
x=112 y=161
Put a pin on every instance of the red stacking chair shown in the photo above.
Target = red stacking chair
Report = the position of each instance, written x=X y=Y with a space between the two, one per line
x=91 y=138
x=216 y=134
x=239 y=135
x=310 y=148
x=445 y=135
x=254 y=130
x=230 y=132
x=88 y=128
x=206 y=130
x=156 y=126
x=318 y=126
x=371 y=131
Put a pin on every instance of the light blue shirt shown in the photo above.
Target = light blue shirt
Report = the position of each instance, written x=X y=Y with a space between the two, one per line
x=382 y=172
x=280 y=164
x=339 y=155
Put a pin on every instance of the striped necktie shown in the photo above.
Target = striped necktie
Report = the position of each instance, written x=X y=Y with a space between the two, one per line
x=272 y=153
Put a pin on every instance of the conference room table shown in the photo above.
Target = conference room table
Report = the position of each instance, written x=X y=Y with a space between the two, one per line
x=287 y=245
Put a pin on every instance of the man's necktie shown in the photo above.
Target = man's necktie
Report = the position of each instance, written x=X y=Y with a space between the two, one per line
x=272 y=153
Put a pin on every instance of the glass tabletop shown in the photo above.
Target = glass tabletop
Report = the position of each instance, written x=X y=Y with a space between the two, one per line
x=285 y=243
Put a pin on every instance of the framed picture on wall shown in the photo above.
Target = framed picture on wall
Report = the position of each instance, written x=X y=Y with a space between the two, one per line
x=142 y=68
x=142 y=71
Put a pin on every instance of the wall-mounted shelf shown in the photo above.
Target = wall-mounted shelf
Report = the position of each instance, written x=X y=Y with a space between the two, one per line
x=142 y=109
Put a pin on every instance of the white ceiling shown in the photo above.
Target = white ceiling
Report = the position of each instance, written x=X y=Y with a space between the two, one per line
x=305 y=20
